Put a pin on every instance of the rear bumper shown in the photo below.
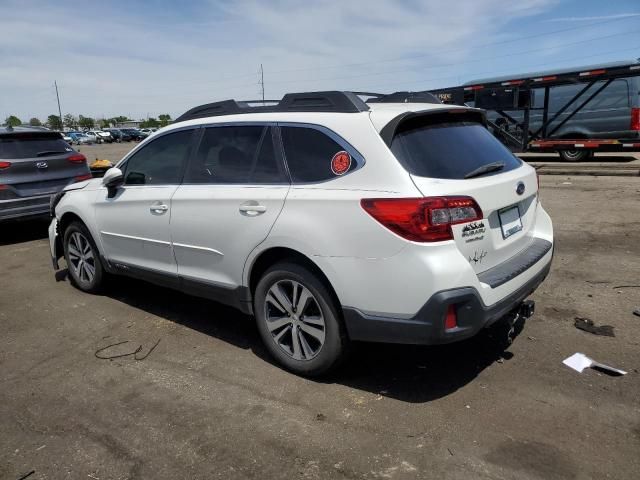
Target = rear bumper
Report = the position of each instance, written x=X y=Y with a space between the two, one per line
x=24 y=207
x=427 y=326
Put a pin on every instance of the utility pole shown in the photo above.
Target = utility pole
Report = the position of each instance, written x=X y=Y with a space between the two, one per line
x=262 y=82
x=59 y=109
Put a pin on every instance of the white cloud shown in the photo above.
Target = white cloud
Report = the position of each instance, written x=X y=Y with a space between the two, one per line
x=109 y=59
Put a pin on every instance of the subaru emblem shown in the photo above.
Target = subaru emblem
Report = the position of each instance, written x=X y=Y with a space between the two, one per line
x=42 y=165
x=520 y=188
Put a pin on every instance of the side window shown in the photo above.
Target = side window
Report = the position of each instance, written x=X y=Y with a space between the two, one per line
x=159 y=162
x=236 y=155
x=310 y=155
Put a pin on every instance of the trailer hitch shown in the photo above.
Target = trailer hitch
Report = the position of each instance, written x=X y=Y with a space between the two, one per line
x=512 y=324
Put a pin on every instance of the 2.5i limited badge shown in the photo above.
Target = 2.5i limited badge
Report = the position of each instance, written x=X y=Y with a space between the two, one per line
x=474 y=231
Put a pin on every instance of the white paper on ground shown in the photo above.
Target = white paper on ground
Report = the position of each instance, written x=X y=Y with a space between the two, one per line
x=579 y=361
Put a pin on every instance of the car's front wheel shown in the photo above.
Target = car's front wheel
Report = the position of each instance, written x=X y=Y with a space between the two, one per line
x=299 y=321
x=82 y=258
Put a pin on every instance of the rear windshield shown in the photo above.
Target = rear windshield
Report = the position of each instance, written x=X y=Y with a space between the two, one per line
x=14 y=147
x=437 y=147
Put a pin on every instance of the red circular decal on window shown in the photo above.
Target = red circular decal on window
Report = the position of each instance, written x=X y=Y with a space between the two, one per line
x=340 y=163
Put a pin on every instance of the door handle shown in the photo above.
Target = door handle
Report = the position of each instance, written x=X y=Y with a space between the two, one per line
x=252 y=210
x=161 y=208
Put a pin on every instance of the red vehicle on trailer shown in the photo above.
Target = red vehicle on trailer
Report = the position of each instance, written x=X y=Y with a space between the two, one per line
x=575 y=112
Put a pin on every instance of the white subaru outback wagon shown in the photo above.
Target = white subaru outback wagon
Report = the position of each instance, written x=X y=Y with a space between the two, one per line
x=329 y=218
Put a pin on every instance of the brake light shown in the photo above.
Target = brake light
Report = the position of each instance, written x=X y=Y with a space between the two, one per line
x=77 y=158
x=635 y=119
x=82 y=178
x=426 y=219
x=4 y=165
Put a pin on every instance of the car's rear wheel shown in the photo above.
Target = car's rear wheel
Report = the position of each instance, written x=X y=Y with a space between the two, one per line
x=83 y=260
x=575 y=155
x=298 y=320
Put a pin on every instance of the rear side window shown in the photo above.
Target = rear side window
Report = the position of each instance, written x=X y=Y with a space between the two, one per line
x=310 y=153
x=236 y=155
x=15 y=147
x=161 y=161
x=437 y=147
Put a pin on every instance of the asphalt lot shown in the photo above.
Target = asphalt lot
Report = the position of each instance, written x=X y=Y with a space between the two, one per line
x=208 y=403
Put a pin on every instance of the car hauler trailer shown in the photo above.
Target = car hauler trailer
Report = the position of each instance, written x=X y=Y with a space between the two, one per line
x=575 y=112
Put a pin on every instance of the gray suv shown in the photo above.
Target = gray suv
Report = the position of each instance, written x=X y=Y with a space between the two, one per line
x=35 y=163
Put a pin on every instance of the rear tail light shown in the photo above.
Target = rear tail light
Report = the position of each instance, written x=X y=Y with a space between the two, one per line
x=4 y=165
x=635 y=119
x=82 y=178
x=426 y=219
x=77 y=158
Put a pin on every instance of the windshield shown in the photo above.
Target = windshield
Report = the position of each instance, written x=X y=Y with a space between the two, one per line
x=427 y=146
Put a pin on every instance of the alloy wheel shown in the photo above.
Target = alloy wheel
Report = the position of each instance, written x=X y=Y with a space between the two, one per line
x=81 y=257
x=294 y=319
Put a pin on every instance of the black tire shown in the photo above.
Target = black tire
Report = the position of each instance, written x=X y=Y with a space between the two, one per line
x=80 y=276
x=334 y=348
x=575 y=155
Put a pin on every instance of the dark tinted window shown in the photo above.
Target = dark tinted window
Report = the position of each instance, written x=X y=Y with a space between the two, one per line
x=159 y=162
x=309 y=153
x=31 y=146
x=238 y=154
x=449 y=150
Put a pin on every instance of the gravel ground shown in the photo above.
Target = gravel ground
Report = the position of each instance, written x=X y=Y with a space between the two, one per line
x=208 y=403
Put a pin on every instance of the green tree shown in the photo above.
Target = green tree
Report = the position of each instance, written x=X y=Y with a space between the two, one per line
x=12 y=121
x=103 y=123
x=150 y=123
x=85 y=122
x=70 y=121
x=34 y=122
x=165 y=119
x=54 y=123
x=119 y=119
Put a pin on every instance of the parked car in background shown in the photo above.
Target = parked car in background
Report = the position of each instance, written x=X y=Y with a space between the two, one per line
x=101 y=137
x=92 y=136
x=66 y=138
x=133 y=133
x=148 y=131
x=119 y=135
x=80 y=138
x=35 y=164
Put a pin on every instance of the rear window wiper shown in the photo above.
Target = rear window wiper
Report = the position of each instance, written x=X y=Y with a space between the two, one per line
x=50 y=152
x=489 y=167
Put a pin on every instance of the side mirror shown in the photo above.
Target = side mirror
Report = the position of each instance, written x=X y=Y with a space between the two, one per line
x=112 y=179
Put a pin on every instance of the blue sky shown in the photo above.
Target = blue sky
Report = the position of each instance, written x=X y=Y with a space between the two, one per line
x=140 y=58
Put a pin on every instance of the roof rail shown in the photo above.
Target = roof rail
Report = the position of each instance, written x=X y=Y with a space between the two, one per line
x=329 y=101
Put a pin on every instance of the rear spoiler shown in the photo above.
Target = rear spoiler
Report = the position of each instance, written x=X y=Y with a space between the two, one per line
x=449 y=114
